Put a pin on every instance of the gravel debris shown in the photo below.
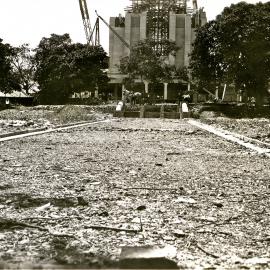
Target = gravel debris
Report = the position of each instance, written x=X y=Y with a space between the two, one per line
x=209 y=199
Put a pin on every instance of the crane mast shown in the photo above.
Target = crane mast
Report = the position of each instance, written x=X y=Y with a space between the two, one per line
x=89 y=32
x=86 y=21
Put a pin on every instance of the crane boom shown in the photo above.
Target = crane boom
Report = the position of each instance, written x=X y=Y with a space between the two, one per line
x=96 y=33
x=123 y=41
x=86 y=22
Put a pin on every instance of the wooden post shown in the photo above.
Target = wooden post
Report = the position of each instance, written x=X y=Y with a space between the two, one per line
x=165 y=91
x=96 y=92
x=177 y=111
x=216 y=93
x=180 y=110
x=142 y=111
x=224 y=91
x=123 y=90
x=162 y=111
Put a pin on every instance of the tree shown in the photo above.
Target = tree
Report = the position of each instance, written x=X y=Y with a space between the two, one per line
x=146 y=63
x=24 y=67
x=206 y=62
x=64 y=67
x=235 y=49
x=8 y=81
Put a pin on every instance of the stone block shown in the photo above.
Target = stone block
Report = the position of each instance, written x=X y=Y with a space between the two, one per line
x=147 y=257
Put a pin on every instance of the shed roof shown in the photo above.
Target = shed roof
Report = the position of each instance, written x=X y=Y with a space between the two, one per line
x=14 y=94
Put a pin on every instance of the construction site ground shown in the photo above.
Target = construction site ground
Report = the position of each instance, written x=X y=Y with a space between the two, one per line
x=75 y=197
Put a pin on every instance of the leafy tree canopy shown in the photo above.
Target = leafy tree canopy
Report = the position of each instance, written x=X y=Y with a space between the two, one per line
x=23 y=66
x=146 y=63
x=64 y=67
x=235 y=48
x=8 y=81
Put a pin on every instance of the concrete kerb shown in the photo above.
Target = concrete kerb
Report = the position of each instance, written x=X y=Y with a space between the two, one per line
x=230 y=137
x=40 y=131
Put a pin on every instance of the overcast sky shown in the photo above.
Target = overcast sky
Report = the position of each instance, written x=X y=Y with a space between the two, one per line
x=27 y=21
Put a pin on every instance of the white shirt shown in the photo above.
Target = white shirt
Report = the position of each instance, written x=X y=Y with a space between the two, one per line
x=184 y=107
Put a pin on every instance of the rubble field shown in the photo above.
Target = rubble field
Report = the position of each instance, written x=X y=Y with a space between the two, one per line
x=74 y=198
x=27 y=118
x=256 y=128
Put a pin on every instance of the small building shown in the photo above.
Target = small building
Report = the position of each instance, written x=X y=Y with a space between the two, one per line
x=16 y=97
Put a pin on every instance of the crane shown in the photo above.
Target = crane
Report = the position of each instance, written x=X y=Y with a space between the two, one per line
x=122 y=40
x=89 y=32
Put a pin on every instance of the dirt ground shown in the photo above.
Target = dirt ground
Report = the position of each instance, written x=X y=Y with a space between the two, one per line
x=159 y=182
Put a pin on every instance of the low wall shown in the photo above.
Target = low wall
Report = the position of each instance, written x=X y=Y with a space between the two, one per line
x=147 y=111
x=233 y=110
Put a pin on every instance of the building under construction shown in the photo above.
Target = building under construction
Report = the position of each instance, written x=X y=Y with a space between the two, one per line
x=174 y=20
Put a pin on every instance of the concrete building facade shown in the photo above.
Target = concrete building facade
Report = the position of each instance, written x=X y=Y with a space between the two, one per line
x=141 y=22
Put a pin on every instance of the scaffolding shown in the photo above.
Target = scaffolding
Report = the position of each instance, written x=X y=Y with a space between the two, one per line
x=158 y=17
x=177 y=6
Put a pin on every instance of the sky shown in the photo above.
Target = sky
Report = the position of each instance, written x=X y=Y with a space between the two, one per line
x=27 y=21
